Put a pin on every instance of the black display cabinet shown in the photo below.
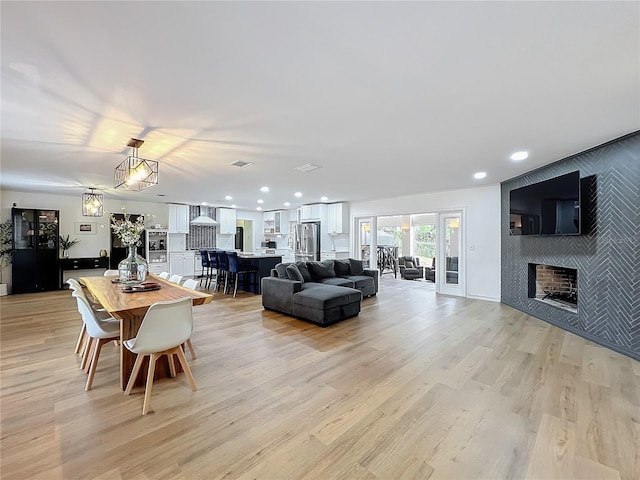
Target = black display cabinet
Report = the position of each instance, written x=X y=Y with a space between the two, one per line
x=119 y=251
x=35 y=262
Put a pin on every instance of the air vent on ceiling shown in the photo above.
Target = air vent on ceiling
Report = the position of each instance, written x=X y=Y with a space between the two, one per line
x=241 y=164
x=307 y=167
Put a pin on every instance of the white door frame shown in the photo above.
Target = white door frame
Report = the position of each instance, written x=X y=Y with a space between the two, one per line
x=441 y=284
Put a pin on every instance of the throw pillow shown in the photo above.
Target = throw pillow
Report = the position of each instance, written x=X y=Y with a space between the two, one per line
x=294 y=273
x=302 y=266
x=342 y=267
x=409 y=264
x=320 y=270
x=356 y=266
x=281 y=268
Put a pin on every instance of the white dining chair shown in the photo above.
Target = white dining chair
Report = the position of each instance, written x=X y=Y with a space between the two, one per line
x=101 y=313
x=164 y=275
x=99 y=331
x=165 y=327
x=193 y=285
x=175 y=279
x=111 y=273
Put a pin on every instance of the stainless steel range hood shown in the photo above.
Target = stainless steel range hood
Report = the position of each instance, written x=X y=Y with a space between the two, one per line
x=204 y=221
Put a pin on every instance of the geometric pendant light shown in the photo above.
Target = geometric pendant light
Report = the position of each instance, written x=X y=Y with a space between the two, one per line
x=92 y=204
x=136 y=173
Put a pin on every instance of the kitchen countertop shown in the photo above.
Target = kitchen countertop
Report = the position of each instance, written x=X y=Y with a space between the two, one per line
x=258 y=255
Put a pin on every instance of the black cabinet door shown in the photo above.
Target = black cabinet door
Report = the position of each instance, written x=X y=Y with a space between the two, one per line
x=35 y=257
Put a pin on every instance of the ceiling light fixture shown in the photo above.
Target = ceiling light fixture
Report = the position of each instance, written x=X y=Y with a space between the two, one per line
x=92 y=204
x=517 y=156
x=479 y=175
x=324 y=199
x=228 y=197
x=136 y=173
x=258 y=208
x=287 y=204
x=298 y=194
x=260 y=201
x=264 y=189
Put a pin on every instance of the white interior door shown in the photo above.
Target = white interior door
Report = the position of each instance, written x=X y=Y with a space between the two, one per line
x=363 y=247
x=450 y=258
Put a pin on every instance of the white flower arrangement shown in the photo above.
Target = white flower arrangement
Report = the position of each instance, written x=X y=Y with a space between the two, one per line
x=128 y=230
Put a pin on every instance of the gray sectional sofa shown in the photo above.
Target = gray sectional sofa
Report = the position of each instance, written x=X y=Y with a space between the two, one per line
x=320 y=292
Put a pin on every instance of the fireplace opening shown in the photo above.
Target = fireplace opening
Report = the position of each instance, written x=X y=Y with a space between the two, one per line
x=557 y=286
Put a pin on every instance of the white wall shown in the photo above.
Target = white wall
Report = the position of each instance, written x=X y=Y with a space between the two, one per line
x=70 y=208
x=482 y=228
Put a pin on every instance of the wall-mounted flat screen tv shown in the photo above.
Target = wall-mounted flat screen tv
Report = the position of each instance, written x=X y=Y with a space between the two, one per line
x=551 y=207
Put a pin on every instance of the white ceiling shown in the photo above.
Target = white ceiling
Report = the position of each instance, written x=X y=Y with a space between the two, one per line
x=389 y=98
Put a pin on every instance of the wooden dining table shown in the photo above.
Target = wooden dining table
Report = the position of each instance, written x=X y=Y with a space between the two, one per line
x=130 y=309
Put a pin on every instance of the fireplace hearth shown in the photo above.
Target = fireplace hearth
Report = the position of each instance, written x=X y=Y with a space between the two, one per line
x=554 y=285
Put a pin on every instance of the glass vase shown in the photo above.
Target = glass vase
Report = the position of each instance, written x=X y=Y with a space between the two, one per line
x=133 y=269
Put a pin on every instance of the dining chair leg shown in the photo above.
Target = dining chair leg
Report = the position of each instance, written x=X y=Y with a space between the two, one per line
x=134 y=374
x=191 y=349
x=83 y=330
x=235 y=287
x=147 y=391
x=86 y=353
x=94 y=362
x=172 y=365
x=185 y=367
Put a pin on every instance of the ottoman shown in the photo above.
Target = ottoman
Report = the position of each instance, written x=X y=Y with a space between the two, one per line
x=326 y=304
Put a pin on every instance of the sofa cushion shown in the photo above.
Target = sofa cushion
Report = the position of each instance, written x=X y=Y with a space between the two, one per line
x=294 y=273
x=302 y=266
x=356 y=267
x=320 y=270
x=342 y=267
x=409 y=264
x=326 y=296
x=281 y=268
x=338 y=281
x=362 y=283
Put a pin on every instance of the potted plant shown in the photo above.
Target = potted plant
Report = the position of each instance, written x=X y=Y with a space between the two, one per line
x=6 y=249
x=66 y=243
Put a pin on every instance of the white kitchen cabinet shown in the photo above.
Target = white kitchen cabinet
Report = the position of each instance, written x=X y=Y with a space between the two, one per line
x=227 y=219
x=338 y=216
x=157 y=250
x=276 y=222
x=178 y=218
x=182 y=263
x=313 y=212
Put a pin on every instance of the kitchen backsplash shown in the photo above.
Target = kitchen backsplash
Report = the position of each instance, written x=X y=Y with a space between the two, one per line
x=200 y=236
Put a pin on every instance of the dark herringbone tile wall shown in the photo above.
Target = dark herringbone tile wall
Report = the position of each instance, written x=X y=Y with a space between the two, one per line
x=607 y=255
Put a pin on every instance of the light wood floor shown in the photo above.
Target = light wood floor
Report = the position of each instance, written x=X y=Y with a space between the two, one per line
x=419 y=386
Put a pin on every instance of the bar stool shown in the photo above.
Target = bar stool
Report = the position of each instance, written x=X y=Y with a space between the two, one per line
x=223 y=270
x=236 y=268
x=206 y=266
x=213 y=265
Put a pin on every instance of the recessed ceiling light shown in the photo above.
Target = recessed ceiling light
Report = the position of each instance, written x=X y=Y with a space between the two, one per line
x=203 y=203
x=298 y=194
x=233 y=206
x=324 y=199
x=479 y=175
x=264 y=189
x=519 y=156
x=287 y=204
x=228 y=197
x=258 y=208
x=260 y=201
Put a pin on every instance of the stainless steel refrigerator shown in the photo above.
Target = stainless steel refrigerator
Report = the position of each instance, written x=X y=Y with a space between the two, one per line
x=307 y=241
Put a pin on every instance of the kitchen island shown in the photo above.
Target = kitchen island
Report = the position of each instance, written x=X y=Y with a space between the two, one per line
x=263 y=263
